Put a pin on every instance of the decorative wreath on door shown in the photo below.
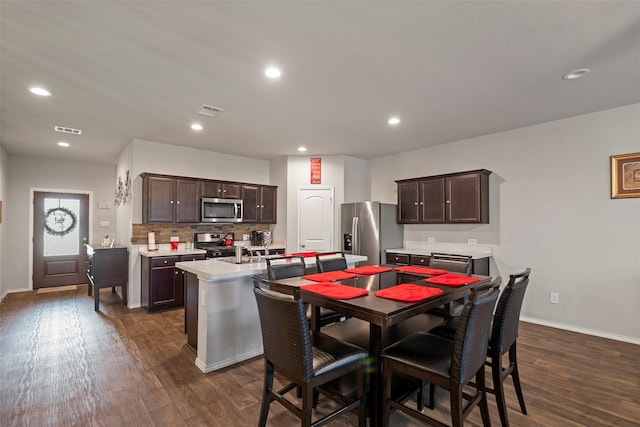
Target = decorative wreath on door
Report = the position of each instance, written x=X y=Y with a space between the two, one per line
x=60 y=221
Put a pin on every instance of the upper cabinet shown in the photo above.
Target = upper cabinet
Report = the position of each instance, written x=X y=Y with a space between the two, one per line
x=453 y=198
x=170 y=200
x=259 y=204
x=221 y=190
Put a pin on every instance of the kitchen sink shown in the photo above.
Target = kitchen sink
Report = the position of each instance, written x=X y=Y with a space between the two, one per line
x=233 y=260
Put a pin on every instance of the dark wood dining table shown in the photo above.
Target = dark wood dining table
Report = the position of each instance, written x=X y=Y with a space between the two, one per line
x=380 y=313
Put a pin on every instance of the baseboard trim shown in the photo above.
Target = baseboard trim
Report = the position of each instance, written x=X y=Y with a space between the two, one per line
x=3 y=295
x=585 y=331
x=228 y=362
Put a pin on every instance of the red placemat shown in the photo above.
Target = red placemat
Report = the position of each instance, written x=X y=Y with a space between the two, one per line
x=329 y=276
x=408 y=292
x=304 y=254
x=420 y=270
x=368 y=269
x=335 y=290
x=453 y=280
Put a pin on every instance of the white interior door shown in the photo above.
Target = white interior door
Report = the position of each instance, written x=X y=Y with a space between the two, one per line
x=315 y=219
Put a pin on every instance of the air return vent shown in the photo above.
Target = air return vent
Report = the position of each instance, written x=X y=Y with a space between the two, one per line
x=64 y=129
x=209 y=110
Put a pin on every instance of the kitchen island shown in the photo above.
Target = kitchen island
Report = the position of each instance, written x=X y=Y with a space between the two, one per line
x=225 y=327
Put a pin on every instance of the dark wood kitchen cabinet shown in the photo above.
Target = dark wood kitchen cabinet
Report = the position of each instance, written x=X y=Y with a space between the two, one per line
x=478 y=265
x=170 y=199
x=259 y=204
x=453 y=198
x=162 y=284
x=221 y=190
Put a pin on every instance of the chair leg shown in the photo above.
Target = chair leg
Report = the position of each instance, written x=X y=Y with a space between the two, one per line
x=513 y=360
x=266 y=398
x=307 y=404
x=420 y=397
x=498 y=388
x=362 y=410
x=484 y=406
x=455 y=396
x=386 y=394
x=432 y=396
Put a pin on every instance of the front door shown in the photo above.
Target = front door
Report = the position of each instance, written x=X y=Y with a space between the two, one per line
x=60 y=230
x=315 y=222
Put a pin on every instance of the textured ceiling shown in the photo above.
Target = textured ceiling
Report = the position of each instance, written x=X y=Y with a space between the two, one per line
x=450 y=70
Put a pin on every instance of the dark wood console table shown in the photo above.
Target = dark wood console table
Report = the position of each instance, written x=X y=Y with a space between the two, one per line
x=107 y=268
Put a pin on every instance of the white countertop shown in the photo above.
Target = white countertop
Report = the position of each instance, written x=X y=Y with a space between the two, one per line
x=218 y=268
x=166 y=251
x=421 y=248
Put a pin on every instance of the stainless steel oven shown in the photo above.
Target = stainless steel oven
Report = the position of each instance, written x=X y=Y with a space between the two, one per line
x=220 y=210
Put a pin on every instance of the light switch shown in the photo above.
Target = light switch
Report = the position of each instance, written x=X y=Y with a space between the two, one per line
x=103 y=205
x=104 y=223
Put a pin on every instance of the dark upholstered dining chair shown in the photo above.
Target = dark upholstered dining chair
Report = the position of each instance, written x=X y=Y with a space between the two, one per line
x=454 y=264
x=308 y=360
x=449 y=364
x=283 y=267
x=504 y=334
x=331 y=261
x=451 y=262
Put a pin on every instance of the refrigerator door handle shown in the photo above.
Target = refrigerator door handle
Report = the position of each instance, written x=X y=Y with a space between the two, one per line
x=356 y=236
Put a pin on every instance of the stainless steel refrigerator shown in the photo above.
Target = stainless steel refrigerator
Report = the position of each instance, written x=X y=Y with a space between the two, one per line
x=369 y=229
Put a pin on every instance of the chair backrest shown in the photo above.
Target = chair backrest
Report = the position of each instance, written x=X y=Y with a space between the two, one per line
x=330 y=261
x=472 y=335
x=283 y=267
x=451 y=262
x=285 y=334
x=507 y=317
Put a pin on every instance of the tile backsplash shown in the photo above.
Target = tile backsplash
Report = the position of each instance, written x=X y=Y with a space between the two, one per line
x=163 y=232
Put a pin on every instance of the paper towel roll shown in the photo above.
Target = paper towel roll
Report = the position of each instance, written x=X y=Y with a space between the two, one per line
x=151 y=241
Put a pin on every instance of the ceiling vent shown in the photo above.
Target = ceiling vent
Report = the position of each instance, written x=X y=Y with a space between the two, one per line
x=209 y=110
x=67 y=130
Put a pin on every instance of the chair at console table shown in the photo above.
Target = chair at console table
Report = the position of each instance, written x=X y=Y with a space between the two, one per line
x=107 y=268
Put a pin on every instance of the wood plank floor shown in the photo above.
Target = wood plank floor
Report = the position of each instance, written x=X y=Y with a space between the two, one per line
x=62 y=364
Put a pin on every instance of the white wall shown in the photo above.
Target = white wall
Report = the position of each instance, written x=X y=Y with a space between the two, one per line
x=550 y=210
x=278 y=176
x=356 y=181
x=27 y=173
x=4 y=287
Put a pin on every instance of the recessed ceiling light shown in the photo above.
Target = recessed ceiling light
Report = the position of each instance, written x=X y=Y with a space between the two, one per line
x=196 y=126
x=39 y=91
x=302 y=149
x=273 y=72
x=576 y=74
x=63 y=144
x=393 y=121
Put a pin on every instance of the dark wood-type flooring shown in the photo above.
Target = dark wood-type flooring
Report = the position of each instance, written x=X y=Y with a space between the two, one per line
x=63 y=364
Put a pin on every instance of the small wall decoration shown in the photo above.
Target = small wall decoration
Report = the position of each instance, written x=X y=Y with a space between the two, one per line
x=60 y=221
x=316 y=170
x=122 y=190
x=625 y=176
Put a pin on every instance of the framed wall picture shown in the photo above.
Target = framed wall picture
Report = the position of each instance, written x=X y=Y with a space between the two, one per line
x=625 y=176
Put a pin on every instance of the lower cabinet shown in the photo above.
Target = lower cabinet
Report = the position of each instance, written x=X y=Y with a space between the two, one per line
x=162 y=284
x=478 y=266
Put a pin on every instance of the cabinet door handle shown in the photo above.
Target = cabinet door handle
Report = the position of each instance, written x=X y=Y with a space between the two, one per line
x=448 y=202
x=176 y=272
x=415 y=203
x=172 y=202
x=421 y=203
x=165 y=261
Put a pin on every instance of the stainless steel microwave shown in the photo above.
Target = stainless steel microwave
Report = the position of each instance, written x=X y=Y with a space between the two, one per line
x=220 y=210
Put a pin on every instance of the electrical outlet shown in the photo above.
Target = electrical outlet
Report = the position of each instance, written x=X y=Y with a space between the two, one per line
x=431 y=239
x=104 y=223
x=472 y=241
x=554 y=298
